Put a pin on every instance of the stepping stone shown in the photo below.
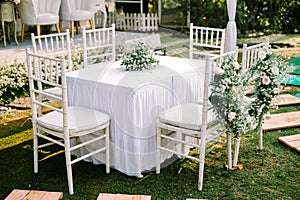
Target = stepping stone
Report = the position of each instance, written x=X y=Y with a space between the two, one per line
x=282 y=120
x=106 y=196
x=292 y=141
x=286 y=99
x=33 y=194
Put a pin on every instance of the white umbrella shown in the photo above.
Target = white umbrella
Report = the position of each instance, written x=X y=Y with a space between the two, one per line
x=230 y=40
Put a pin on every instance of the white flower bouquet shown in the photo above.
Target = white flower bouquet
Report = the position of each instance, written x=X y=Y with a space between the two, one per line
x=141 y=58
x=227 y=97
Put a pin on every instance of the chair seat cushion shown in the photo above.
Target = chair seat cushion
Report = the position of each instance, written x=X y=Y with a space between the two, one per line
x=187 y=116
x=54 y=91
x=80 y=120
x=47 y=18
x=78 y=15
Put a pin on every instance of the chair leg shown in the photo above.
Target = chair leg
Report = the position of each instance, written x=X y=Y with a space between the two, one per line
x=4 y=39
x=158 y=144
x=72 y=29
x=260 y=139
x=8 y=32
x=229 y=151
x=260 y=134
x=106 y=132
x=201 y=164
x=60 y=24
x=91 y=24
x=236 y=152
x=57 y=28
x=38 y=29
x=69 y=170
x=22 y=32
x=15 y=33
x=35 y=150
x=77 y=24
x=183 y=138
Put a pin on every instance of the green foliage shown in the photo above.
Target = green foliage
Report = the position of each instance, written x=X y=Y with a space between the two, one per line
x=268 y=16
x=251 y=16
x=210 y=13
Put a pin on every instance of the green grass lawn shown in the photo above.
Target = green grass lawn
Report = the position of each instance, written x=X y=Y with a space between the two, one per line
x=271 y=173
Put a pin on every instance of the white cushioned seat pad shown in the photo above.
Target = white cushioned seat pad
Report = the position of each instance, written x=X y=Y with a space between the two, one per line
x=78 y=15
x=80 y=119
x=187 y=116
x=55 y=91
x=47 y=18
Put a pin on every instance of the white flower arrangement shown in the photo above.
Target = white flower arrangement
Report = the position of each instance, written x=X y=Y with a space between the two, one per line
x=141 y=58
x=227 y=98
x=229 y=85
x=13 y=81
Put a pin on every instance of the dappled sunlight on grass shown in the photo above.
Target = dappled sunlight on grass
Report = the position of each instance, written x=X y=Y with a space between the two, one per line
x=15 y=139
x=51 y=155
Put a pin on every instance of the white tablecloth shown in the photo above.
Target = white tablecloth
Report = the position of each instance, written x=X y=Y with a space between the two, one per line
x=133 y=100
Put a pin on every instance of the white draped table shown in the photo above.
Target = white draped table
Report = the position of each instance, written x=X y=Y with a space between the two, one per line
x=133 y=100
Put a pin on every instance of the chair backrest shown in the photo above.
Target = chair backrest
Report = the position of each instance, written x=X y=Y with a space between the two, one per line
x=250 y=53
x=45 y=72
x=29 y=10
x=82 y=4
x=206 y=42
x=53 y=45
x=99 y=45
x=100 y=5
x=48 y=6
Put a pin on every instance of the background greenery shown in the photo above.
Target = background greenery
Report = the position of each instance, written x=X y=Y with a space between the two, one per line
x=268 y=16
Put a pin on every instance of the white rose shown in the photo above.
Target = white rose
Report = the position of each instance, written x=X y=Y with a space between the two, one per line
x=275 y=70
x=236 y=65
x=276 y=90
x=261 y=54
x=231 y=116
x=227 y=67
x=218 y=70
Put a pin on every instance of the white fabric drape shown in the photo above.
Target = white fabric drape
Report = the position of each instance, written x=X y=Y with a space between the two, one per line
x=230 y=40
x=133 y=100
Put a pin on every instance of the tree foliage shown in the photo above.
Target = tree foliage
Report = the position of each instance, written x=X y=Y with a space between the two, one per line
x=269 y=16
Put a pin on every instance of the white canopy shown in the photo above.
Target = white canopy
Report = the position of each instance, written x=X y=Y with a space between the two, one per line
x=230 y=40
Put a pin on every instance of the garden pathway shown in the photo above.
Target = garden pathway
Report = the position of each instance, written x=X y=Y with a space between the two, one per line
x=176 y=44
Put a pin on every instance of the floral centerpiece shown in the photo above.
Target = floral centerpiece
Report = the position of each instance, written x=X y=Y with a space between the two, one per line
x=266 y=77
x=141 y=58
